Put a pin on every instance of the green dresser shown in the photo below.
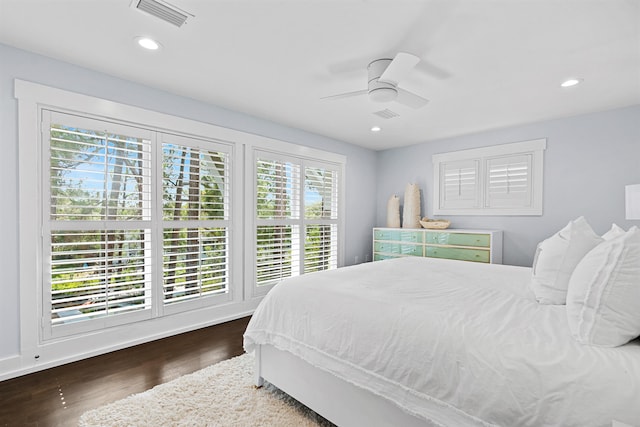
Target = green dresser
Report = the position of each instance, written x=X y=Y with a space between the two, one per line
x=465 y=245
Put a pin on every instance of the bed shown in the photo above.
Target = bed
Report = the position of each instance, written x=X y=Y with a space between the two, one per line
x=422 y=341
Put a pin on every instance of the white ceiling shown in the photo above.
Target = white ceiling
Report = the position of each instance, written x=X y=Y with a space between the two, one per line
x=485 y=63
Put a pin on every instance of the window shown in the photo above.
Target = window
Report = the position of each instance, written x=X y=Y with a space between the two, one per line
x=133 y=217
x=99 y=219
x=498 y=180
x=196 y=213
x=278 y=220
x=321 y=218
x=296 y=216
x=104 y=221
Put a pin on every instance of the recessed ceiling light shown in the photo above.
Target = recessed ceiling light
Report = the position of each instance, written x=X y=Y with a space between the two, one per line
x=570 y=82
x=376 y=129
x=148 y=43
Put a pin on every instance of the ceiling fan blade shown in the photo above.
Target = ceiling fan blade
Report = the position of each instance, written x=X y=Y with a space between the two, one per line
x=410 y=99
x=401 y=65
x=347 y=95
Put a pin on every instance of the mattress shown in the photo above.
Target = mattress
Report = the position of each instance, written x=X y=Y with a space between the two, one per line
x=466 y=338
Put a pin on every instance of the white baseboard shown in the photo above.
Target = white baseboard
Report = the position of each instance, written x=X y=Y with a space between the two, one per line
x=78 y=348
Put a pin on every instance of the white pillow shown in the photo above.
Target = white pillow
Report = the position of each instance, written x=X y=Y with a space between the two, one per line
x=557 y=256
x=603 y=300
x=614 y=232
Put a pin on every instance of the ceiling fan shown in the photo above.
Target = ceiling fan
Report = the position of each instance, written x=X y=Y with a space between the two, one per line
x=384 y=76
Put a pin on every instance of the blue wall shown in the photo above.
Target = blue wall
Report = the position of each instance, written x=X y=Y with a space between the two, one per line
x=588 y=161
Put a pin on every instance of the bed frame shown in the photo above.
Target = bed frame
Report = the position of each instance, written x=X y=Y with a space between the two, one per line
x=337 y=400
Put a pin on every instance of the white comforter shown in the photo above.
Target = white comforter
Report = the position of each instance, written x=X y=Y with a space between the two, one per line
x=467 y=338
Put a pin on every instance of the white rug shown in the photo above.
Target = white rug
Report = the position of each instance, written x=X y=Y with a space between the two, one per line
x=219 y=395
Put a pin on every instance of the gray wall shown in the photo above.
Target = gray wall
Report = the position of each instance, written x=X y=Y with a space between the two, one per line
x=588 y=161
x=14 y=63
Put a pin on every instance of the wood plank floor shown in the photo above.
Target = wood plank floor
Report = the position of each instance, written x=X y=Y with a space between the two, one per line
x=58 y=396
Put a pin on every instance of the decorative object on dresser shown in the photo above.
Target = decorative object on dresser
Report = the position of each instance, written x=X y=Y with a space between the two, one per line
x=393 y=212
x=411 y=212
x=435 y=224
x=459 y=244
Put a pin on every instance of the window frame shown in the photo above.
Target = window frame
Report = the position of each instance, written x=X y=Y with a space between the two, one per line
x=305 y=157
x=36 y=350
x=534 y=149
x=154 y=225
x=36 y=339
x=47 y=117
x=203 y=143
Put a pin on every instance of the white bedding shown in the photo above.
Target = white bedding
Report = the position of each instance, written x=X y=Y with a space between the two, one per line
x=468 y=338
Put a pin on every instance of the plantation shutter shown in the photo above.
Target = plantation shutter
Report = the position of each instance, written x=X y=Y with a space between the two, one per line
x=460 y=184
x=195 y=209
x=509 y=182
x=98 y=227
x=297 y=216
x=505 y=179
x=106 y=222
x=278 y=219
x=321 y=216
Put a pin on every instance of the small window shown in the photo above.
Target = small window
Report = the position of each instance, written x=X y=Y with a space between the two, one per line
x=497 y=180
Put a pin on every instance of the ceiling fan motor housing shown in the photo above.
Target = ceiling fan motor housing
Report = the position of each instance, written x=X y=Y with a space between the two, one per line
x=380 y=91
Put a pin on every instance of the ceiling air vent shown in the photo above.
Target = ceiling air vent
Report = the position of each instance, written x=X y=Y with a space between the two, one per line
x=386 y=114
x=163 y=10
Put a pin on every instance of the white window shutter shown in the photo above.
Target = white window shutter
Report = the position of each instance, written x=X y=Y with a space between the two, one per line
x=502 y=179
x=459 y=184
x=509 y=182
x=297 y=215
x=321 y=215
x=99 y=219
x=196 y=211
x=277 y=214
x=105 y=222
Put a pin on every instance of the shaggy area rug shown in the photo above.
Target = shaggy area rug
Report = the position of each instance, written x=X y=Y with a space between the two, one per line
x=219 y=395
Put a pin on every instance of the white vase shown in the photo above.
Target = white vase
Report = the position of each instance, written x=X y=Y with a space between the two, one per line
x=393 y=212
x=411 y=213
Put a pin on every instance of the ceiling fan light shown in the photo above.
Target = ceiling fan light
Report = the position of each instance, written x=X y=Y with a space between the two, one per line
x=383 y=94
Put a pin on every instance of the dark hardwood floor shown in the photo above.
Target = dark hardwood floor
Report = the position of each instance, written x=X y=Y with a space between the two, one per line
x=58 y=396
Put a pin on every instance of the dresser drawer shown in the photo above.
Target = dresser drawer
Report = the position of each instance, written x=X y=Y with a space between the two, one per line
x=398 y=248
x=386 y=235
x=411 y=236
x=399 y=235
x=380 y=257
x=477 y=255
x=459 y=239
